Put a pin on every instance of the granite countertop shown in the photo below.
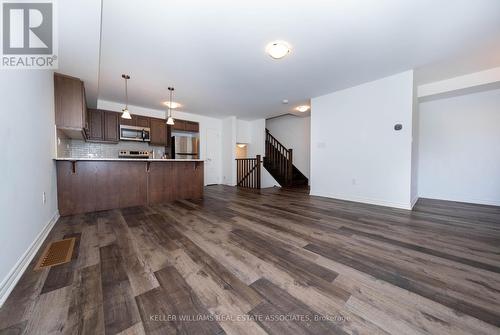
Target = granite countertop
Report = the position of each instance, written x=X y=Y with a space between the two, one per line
x=127 y=159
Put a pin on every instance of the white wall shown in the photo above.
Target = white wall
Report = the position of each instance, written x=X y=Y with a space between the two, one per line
x=459 y=151
x=355 y=152
x=205 y=122
x=229 y=133
x=294 y=132
x=243 y=133
x=414 y=147
x=27 y=169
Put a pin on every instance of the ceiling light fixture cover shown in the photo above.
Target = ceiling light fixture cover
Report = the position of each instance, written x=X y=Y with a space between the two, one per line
x=175 y=105
x=125 y=112
x=302 y=109
x=278 y=49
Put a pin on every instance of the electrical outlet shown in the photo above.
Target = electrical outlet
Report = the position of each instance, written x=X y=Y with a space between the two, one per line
x=44 y=198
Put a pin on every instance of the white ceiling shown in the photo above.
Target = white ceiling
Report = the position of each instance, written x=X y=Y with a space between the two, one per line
x=79 y=40
x=213 y=51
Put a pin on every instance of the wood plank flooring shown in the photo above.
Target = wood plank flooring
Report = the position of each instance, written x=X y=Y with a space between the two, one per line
x=268 y=262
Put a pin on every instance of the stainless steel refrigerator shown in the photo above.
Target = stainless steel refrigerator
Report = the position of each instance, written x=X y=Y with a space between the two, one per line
x=185 y=147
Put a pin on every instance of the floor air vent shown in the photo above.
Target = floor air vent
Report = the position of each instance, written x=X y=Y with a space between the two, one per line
x=58 y=252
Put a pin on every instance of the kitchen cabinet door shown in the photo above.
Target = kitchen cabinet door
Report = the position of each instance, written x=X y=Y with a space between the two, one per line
x=158 y=132
x=69 y=99
x=111 y=125
x=129 y=122
x=179 y=125
x=192 y=126
x=143 y=121
x=96 y=125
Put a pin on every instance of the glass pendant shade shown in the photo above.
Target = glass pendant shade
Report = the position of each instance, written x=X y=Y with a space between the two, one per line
x=126 y=114
x=170 y=121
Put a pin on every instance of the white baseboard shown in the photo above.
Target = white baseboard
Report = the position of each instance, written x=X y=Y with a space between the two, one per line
x=414 y=201
x=377 y=202
x=488 y=202
x=10 y=281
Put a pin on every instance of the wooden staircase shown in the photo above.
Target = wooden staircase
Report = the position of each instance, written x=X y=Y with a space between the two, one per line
x=248 y=172
x=279 y=163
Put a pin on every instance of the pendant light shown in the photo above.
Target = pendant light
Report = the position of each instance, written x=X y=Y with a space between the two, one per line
x=170 y=119
x=125 y=112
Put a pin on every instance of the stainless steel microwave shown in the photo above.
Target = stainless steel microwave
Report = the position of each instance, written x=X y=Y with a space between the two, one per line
x=132 y=133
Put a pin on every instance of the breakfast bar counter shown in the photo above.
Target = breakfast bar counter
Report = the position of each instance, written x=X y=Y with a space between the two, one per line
x=94 y=184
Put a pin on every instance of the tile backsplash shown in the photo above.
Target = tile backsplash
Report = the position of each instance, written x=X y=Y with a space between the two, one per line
x=73 y=148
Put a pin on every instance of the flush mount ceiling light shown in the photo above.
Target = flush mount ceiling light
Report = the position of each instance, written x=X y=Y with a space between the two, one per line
x=302 y=109
x=278 y=49
x=125 y=112
x=175 y=105
x=170 y=119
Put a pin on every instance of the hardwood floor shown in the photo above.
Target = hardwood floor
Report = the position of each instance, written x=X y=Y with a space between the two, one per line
x=270 y=261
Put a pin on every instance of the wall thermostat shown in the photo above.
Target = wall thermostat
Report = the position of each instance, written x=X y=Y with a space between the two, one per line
x=398 y=126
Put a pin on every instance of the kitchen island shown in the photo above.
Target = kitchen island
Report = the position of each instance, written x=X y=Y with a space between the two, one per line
x=93 y=184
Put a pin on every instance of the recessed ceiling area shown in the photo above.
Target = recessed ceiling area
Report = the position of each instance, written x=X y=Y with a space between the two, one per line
x=214 y=52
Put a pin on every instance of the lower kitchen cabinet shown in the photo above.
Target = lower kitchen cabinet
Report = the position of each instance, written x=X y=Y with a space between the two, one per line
x=93 y=185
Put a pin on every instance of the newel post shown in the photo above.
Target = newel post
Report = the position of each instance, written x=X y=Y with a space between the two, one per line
x=258 y=171
x=290 y=166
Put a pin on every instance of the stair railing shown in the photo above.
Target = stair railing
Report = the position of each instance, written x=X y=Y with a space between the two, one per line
x=279 y=158
x=248 y=172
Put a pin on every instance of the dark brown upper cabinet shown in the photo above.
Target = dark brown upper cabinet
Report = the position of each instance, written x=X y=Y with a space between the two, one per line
x=96 y=125
x=103 y=126
x=158 y=132
x=70 y=105
x=182 y=125
x=143 y=121
x=192 y=126
x=129 y=122
x=111 y=127
x=179 y=125
x=136 y=121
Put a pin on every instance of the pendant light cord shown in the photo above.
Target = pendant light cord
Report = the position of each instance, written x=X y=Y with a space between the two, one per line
x=170 y=106
x=126 y=94
x=171 y=90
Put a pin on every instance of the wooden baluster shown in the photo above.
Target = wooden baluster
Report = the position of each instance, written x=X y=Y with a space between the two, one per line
x=290 y=165
x=250 y=181
x=251 y=173
x=252 y=176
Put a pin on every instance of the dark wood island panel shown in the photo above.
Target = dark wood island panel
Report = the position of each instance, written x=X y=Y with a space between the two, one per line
x=169 y=181
x=92 y=185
